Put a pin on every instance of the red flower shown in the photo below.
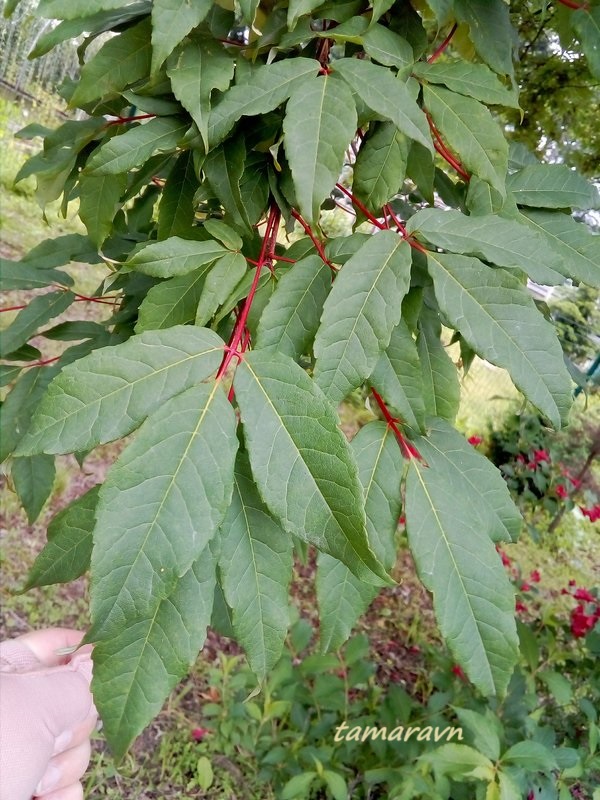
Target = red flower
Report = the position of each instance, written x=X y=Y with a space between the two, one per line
x=574 y=481
x=535 y=576
x=532 y=465
x=475 y=440
x=520 y=607
x=402 y=520
x=526 y=587
x=505 y=559
x=572 y=582
x=521 y=458
x=458 y=671
x=562 y=491
x=581 y=622
x=198 y=734
x=541 y=455
x=593 y=514
x=584 y=594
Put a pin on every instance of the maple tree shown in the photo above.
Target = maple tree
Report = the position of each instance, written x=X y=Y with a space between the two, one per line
x=210 y=133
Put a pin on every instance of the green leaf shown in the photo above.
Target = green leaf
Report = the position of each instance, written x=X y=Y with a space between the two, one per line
x=61 y=251
x=174 y=256
x=153 y=653
x=398 y=377
x=552 y=186
x=441 y=387
x=471 y=132
x=176 y=209
x=298 y=786
x=460 y=760
x=172 y=302
x=559 y=687
x=270 y=86
x=387 y=96
x=498 y=319
x=96 y=23
x=221 y=231
x=571 y=240
x=18 y=407
x=298 y=8
x=107 y=394
x=380 y=166
x=222 y=279
x=342 y=597
x=291 y=317
x=134 y=147
x=456 y=560
x=255 y=563
x=360 y=313
x=336 y=784
x=224 y=168
x=301 y=461
x=172 y=20
x=30 y=319
x=70 y=9
x=20 y=275
x=199 y=69
x=33 y=477
x=532 y=756
x=472 y=80
x=504 y=242
x=121 y=61
x=474 y=476
x=160 y=505
x=386 y=47
x=491 y=31
x=66 y=555
x=485 y=730
x=99 y=202
x=586 y=24
x=421 y=169
x=9 y=373
x=319 y=124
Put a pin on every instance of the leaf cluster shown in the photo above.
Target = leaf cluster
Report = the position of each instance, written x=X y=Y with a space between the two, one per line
x=213 y=138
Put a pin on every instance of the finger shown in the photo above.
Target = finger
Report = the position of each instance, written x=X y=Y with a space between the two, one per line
x=44 y=644
x=64 y=770
x=76 y=735
x=72 y=792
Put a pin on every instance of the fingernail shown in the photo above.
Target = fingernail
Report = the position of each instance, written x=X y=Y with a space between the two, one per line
x=49 y=781
x=62 y=741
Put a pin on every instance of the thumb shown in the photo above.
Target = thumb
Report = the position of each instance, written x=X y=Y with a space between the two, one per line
x=39 y=709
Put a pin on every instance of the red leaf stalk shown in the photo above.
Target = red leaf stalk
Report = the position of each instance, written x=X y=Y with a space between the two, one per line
x=266 y=255
x=437 y=53
x=409 y=451
x=313 y=238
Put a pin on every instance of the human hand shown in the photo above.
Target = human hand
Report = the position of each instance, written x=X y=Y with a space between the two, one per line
x=47 y=715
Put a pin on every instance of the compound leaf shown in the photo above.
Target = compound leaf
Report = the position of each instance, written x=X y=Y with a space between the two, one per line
x=380 y=166
x=291 y=317
x=360 y=313
x=552 y=186
x=471 y=132
x=160 y=505
x=342 y=597
x=99 y=198
x=154 y=652
x=319 y=124
x=504 y=242
x=456 y=560
x=255 y=563
x=66 y=555
x=172 y=20
x=38 y=312
x=106 y=395
x=172 y=302
x=498 y=319
x=398 y=377
x=301 y=461
x=174 y=256
x=387 y=96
